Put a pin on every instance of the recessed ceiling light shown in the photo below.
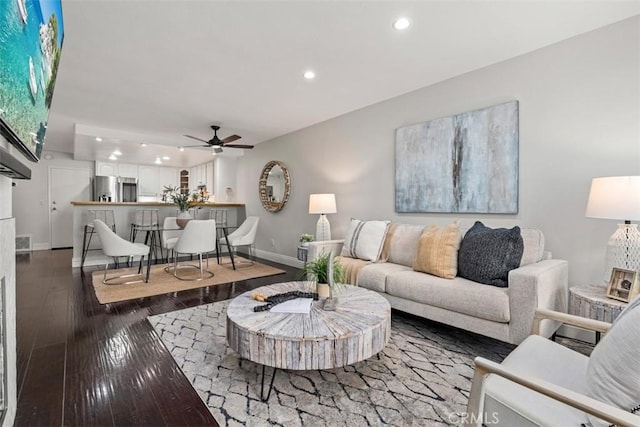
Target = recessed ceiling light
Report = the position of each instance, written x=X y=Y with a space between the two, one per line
x=98 y=139
x=117 y=152
x=401 y=24
x=309 y=75
x=166 y=158
x=181 y=148
x=143 y=144
x=158 y=161
x=112 y=157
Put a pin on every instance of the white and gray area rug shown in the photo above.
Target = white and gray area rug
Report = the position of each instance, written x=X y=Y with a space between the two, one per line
x=422 y=378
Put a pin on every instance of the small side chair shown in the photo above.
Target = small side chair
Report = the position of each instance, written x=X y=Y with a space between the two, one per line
x=115 y=246
x=542 y=383
x=244 y=235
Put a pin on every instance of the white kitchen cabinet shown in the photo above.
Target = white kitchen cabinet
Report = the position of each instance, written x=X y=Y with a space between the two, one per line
x=209 y=177
x=168 y=177
x=116 y=169
x=106 y=169
x=148 y=184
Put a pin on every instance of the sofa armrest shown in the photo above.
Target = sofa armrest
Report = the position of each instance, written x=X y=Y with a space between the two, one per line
x=328 y=246
x=544 y=284
x=579 y=401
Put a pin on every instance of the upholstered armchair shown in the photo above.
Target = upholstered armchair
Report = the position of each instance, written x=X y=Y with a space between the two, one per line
x=542 y=383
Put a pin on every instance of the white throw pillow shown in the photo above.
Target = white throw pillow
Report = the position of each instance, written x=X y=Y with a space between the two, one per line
x=612 y=374
x=364 y=239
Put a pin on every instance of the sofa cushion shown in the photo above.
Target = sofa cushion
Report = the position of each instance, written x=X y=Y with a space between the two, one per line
x=459 y=295
x=374 y=276
x=437 y=251
x=364 y=239
x=533 y=241
x=403 y=242
x=612 y=375
x=487 y=255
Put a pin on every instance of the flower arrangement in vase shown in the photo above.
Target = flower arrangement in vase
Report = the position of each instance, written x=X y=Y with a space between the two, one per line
x=184 y=201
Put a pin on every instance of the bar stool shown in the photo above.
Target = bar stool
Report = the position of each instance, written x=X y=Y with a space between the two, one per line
x=104 y=215
x=146 y=220
x=220 y=215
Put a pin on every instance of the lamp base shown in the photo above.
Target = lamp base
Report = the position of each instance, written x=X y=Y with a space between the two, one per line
x=623 y=250
x=323 y=228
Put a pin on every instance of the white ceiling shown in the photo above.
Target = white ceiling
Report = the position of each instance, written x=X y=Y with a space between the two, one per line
x=151 y=71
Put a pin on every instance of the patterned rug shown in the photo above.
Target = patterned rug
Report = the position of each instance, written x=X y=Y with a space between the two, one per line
x=422 y=378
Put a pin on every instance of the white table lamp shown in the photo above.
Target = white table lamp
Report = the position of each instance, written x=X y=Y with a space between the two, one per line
x=322 y=204
x=618 y=197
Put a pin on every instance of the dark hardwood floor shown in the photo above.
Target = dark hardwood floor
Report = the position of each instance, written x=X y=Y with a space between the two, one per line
x=81 y=363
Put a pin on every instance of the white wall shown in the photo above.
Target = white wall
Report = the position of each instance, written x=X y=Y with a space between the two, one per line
x=31 y=197
x=579 y=119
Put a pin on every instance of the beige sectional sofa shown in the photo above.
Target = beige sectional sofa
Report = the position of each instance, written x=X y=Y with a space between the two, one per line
x=504 y=313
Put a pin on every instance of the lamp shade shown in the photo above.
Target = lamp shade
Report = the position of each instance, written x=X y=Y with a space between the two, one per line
x=322 y=204
x=614 y=197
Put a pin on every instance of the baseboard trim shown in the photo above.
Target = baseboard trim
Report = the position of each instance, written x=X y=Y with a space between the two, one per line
x=41 y=246
x=282 y=259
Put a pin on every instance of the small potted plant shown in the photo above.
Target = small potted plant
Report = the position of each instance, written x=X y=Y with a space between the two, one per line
x=318 y=270
x=305 y=239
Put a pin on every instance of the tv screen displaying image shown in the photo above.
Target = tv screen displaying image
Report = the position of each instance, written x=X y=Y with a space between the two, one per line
x=31 y=34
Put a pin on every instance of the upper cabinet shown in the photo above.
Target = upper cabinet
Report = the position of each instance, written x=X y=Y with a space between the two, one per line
x=148 y=184
x=168 y=177
x=106 y=169
x=127 y=170
x=116 y=169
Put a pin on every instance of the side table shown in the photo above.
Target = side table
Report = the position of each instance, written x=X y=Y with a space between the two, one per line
x=302 y=253
x=592 y=302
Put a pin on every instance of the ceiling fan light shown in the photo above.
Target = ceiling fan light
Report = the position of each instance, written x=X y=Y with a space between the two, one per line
x=217 y=150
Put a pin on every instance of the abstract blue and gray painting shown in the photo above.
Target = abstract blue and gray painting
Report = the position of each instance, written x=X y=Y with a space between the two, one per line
x=466 y=163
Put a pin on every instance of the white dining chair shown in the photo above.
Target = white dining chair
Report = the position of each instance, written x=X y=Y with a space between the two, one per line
x=171 y=232
x=115 y=246
x=198 y=238
x=244 y=235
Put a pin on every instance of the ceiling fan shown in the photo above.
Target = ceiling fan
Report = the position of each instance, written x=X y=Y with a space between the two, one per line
x=217 y=142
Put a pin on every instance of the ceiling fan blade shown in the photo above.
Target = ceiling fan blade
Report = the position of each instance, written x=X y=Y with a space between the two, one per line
x=192 y=146
x=231 y=138
x=237 y=146
x=196 y=138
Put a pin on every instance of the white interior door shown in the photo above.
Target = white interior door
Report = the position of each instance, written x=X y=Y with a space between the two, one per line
x=65 y=186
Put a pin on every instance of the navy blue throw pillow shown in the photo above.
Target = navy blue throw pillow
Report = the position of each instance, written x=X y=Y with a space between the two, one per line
x=487 y=255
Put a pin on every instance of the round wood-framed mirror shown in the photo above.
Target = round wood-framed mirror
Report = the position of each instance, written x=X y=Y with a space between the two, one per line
x=274 y=186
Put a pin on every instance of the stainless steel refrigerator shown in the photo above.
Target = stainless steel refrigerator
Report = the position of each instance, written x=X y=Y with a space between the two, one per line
x=105 y=189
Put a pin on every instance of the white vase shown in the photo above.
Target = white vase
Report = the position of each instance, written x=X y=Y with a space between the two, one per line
x=183 y=218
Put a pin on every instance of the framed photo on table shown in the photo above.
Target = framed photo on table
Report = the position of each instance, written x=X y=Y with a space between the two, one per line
x=624 y=284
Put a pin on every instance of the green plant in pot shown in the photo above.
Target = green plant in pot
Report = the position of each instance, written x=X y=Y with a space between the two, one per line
x=318 y=270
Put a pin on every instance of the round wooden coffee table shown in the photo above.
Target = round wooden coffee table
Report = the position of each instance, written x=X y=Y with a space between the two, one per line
x=358 y=329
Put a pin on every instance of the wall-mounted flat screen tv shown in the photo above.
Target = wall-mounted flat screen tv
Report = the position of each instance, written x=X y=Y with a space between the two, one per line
x=31 y=34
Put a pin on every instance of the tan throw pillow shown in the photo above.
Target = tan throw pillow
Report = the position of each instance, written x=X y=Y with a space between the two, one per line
x=437 y=252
